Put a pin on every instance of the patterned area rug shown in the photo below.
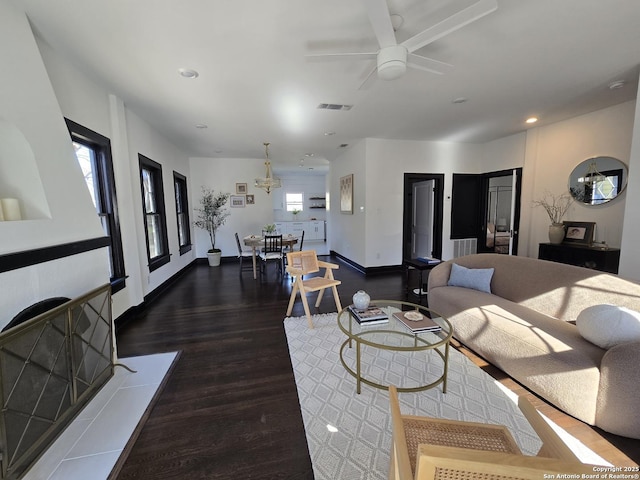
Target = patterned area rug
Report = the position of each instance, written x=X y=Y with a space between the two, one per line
x=349 y=435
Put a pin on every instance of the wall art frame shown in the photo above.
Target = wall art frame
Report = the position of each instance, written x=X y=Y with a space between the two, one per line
x=237 y=201
x=346 y=194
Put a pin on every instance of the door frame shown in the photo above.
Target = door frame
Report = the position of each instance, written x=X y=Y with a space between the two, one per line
x=515 y=228
x=438 y=211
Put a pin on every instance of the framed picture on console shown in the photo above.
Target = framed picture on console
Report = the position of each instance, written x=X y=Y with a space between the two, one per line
x=579 y=233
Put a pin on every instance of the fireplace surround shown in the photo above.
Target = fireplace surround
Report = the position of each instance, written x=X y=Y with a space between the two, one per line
x=51 y=365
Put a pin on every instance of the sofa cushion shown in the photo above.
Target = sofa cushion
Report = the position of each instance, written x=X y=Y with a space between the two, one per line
x=609 y=325
x=474 y=278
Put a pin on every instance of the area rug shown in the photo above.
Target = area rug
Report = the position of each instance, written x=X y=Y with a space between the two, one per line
x=349 y=434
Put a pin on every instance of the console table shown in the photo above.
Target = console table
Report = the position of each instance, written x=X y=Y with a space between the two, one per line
x=597 y=258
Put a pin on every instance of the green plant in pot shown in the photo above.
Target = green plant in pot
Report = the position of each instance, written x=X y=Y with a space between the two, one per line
x=211 y=215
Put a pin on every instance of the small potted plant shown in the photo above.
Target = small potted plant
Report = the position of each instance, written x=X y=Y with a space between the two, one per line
x=211 y=216
x=269 y=228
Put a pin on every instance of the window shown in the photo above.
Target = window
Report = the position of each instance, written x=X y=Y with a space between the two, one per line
x=93 y=152
x=182 y=212
x=155 y=220
x=294 y=201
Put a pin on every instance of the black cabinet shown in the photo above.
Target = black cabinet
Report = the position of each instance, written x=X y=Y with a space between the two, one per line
x=597 y=258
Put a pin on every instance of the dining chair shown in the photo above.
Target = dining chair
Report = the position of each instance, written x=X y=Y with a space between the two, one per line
x=301 y=241
x=304 y=263
x=272 y=252
x=244 y=254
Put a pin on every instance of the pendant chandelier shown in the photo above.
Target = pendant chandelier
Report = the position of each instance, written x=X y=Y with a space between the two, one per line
x=268 y=182
x=592 y=176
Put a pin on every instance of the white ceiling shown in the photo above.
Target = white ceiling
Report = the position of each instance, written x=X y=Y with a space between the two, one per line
x=549 y=58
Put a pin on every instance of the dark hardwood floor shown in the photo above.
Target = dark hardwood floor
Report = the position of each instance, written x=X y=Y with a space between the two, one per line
x=230 y=408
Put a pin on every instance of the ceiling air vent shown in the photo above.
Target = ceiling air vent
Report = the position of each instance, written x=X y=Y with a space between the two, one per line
x=334 y=106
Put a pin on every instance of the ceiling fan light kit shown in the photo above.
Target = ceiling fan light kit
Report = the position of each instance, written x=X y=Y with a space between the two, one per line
x=392 y=62
x=393 y=58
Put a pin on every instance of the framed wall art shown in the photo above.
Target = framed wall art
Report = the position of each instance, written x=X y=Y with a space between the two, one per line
x=237 y=201
x=241 y=188
x=251 y=200
x=579 y=232
x=346 y=194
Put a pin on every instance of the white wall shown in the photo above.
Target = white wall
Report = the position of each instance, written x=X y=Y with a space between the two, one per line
x=630 y=247
x=28 y=102
x=373 y=235
x=222 y=174
x=553 y=151
x=91 y=105
x=346 y=233
x=48 y=89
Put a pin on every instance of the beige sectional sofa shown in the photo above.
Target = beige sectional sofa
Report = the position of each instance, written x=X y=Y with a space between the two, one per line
x=524 y=327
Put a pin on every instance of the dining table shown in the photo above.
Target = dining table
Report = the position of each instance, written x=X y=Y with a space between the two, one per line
x=256 y=241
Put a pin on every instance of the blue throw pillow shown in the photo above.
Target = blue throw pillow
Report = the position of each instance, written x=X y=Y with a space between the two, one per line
x=475 y=278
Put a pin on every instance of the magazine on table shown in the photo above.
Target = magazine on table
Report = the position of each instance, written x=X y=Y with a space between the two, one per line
x=416 y=322
x=372 y=315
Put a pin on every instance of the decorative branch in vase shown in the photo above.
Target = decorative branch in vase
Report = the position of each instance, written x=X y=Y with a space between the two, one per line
x=556 y=207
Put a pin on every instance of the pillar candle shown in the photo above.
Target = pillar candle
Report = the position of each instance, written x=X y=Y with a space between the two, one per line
x=11 y=209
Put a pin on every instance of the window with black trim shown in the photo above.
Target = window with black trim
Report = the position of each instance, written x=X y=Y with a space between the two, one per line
x=93 y=152
x=155 y=219
x=182 y=212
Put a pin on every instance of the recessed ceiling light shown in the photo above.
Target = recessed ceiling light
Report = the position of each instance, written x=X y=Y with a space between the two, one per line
x=309 y=154
x=188 y=73
x=327 y=134
x=616 y=85
x=459 y=100
x=531 y=120
x=201 y=125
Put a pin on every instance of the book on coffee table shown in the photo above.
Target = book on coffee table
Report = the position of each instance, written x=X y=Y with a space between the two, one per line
x=371 y=316
x=416 y=322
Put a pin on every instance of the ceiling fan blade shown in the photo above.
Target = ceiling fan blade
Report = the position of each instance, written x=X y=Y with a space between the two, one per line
x=369 y=80
x=451 y=24
x=341 y=56
x=381 y=22
x=427 y=64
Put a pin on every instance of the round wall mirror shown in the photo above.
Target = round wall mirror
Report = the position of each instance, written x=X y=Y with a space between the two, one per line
x=598 y=180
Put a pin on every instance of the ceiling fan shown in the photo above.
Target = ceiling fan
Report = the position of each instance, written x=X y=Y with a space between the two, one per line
x=393 y=58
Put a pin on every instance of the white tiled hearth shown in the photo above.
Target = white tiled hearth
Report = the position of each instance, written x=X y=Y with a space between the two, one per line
x=91 y=445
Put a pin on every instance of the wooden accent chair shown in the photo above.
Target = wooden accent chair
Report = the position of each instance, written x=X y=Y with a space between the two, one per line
x=411 y=433
x=552 y=444
x=306 y=262
x=448 y=463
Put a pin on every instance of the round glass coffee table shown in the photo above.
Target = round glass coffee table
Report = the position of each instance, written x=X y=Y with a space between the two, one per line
x=395 y=335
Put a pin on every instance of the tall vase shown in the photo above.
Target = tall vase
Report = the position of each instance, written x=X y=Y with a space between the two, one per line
x=556 y=233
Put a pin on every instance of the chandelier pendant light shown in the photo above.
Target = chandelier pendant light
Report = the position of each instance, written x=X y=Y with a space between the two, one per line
x=592 y=176
x=268 y=182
